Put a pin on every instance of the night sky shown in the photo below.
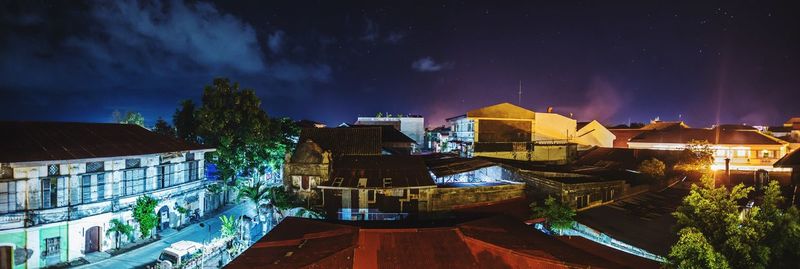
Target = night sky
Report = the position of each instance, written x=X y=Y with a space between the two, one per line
x=330 y=62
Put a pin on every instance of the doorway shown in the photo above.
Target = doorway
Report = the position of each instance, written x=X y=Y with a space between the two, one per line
x=92 y=240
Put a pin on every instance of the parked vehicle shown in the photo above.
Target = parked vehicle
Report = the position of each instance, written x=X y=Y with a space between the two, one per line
x=179 y=253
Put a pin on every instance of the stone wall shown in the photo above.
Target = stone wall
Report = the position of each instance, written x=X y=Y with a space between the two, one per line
x=449 y=198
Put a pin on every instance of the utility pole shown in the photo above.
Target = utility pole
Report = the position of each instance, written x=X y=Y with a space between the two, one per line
x=519 y=98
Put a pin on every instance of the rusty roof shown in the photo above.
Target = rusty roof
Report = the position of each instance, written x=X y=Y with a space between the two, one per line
x=403 y=171
x=789 y=160
x=345 y=141
x=493 y=242
x=26 y=141
x=444 y=164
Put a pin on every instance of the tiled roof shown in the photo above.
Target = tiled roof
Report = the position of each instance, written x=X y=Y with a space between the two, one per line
x=403 y=170
x=494 y=242
x=727 y=136
x=663 y=125
x=345 y=141
x=48 y=141
x=623 y=135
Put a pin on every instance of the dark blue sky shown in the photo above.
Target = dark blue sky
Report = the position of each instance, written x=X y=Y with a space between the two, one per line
x=330 y=61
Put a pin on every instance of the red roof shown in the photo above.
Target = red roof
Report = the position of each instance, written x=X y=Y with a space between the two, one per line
x=495 y=242
x=49 y=141
x=403 y=170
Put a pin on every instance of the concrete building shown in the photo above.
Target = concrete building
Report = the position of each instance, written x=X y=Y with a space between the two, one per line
x=594 y=134
x=61 y=184
x=508 y=131
x=412 y=126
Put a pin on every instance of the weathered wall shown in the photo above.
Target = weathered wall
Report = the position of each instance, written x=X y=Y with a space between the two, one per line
x=443 y=199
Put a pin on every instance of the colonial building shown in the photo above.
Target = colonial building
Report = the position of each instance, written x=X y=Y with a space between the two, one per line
x=412 y=126
x=61 y=183
x=744 y=146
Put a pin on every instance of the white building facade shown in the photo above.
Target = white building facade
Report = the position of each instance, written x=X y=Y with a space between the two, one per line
x=57 y=210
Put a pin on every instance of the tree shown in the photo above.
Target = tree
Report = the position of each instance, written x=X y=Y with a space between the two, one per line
x=119 y=228
x=782 y=228
x=714 y=212
x=185 y=121
x=697 y=156
x=229 y=225
x=144 y=212
x=162 y=127
x=653 y=168
x=558 y=215
x=694 y=251
x=182 y=212
x=254 y=193
x=231 y=120
x=129 y=118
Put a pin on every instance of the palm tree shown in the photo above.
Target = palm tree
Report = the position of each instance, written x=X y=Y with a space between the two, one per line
x=254 y=192
x=120 y=228
x=229 y=225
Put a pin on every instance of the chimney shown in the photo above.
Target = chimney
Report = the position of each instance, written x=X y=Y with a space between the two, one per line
x=549 y=109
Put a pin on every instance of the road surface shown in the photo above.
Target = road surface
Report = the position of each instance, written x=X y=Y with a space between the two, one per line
x=147 y=255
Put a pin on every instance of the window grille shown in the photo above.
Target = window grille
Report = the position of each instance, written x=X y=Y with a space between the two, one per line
x=133 y=163
x=8 y=197
x=338 y=181
x=52 y=246
x=387 y=182
x=94 y=167
x=53 y=170
x=86 y=188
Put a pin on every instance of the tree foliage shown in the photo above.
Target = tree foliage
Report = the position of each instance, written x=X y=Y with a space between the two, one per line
x=129 y=118
x=229 y=225
x=144 y=213
x=653 y=168
x=119 y=228
x=162 y=127
x=558 y=215
x=185 y=121
x=716 y=233
x=697 y=156
x=255 y=193
x=231 y=120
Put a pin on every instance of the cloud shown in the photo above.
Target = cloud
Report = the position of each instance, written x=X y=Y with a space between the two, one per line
x=604 y=101
x=427 y=64
x=371 y=31
x=394 y=38
x=275 y=41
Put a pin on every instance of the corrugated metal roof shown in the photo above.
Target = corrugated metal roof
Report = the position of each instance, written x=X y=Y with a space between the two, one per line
x=345 y=141
x=444 y=165
x=727 y=136
x=47 y=141
x=494 y=242
x=402 y=170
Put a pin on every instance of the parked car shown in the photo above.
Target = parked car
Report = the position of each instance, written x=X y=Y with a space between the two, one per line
x=178 y=253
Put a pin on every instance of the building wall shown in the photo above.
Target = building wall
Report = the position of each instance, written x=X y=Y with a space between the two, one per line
x=449 y=198
x=595 y=134
x=551 y=126
x=351 y=204
x=413 y=127
x=72 y=214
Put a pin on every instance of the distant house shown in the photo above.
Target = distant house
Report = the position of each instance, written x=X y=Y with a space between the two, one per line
x=791 y=161
x=746 y=147
x=62 y=183
x=594 y=134
x=623 y=135
x=490 y=242
x=789 y=132
x=437 y=139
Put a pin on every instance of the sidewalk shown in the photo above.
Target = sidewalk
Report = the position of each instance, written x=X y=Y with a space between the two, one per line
x=147 y=255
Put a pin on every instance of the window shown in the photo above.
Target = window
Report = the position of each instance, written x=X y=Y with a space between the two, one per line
x=387 y=182
x=86 y=188
x=191 y=172
x=337 y=182
x=52 y=246
x=49 y=192
x=8 y=197
x=133 y=180
x=166 y=176
x=133 y=163
x=101 y=187
x=362 y=182
x=741 y=153
x=766 y=154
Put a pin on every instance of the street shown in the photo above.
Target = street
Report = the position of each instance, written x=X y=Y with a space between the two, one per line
x=147 y=255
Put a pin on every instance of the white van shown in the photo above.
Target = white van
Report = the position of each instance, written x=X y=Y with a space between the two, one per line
x=178 y=253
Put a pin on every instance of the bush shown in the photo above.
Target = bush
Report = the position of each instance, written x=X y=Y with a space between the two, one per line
x=653 y=168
